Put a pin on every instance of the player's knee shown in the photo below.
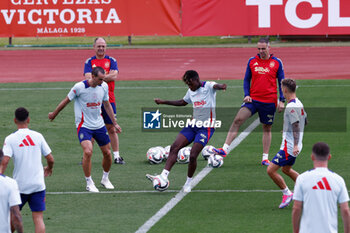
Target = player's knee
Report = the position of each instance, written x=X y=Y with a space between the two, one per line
x=193 y=158
x=238 y=121
x=270 y=171
x=87 y=153
x=111 y=130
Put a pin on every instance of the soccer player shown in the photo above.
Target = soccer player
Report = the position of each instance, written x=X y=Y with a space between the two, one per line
x=316 y=195
x=109 y=64
x=202 y=95
x=26 y=147
x=260 y=95
x=9 y=203
x=89 y=96
x=292 y=137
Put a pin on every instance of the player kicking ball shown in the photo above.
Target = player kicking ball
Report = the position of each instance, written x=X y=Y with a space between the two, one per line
x=294 y=121
x=202 y=95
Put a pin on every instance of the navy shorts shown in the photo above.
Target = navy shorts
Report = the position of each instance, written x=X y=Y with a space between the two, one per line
x=36 y=201
x=200 y=135
x=105 y=116
x=100 y=135
x=266 y=110
x=283 y=159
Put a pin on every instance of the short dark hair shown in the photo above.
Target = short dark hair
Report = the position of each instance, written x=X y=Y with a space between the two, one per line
x=290 y=84
x=190 y=75
x=21 y=114
x=321 y=150
x=264 y=40
x=96 y=70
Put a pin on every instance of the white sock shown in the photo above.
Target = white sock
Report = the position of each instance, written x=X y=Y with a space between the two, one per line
x=116 y=154
x=105 y=175
x=286 y=191
x=265 y=156
x=89 y=180
x=165 y=173
x=188 y=181
x=225 y=147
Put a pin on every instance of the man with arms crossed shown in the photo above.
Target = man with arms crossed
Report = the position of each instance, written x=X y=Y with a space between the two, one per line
x=89 y=96
x=109 y=64
x=317 y=193
x=260 y=95
x=293 y=130
x=9 y=203
x=27 y=147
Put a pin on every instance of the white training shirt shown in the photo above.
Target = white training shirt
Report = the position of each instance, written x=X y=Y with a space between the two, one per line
x=88 y=103
x=9 y=196
x=294 y=112
x=320 y=190
x=203 y=100
x=26 y=147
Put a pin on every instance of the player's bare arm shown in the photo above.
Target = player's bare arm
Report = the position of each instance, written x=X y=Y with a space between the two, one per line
x=111 y=76
x=110 y=113
x=345 y=214
x=247 y=99
x=171 y=102
x=220 y=86
x=296 y=215
x=296 y=136
x=16 y=219
x=3 y=165
x=60 y=106
x=50 y=161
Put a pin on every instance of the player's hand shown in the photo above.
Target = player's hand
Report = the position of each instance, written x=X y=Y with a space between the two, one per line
x=295 y=150
x=280 y=106
x=247 y=99
x=47 y=171
x=118 y=128
x=158 y=101
x=52 y=116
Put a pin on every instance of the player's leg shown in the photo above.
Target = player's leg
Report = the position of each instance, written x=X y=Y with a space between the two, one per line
x=38 y=219
x=243 y=114
x=103 y=141
x=195 y=150
x=266 y=114
x=281 y=159
x=289 y=171
x=112 y=134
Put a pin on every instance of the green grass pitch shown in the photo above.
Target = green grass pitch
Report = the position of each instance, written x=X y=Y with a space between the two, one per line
x=208 y=208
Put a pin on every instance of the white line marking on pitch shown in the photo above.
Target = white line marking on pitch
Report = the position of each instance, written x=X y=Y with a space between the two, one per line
x=203 y=173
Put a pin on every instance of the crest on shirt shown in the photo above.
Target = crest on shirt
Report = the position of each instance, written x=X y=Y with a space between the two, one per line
x=272 y=64
x=107 y=65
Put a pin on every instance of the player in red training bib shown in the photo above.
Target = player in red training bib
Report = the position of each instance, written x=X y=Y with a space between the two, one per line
x=263 y=73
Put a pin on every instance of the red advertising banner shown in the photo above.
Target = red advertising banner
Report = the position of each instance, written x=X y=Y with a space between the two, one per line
x=21 y=18
x=265 y=17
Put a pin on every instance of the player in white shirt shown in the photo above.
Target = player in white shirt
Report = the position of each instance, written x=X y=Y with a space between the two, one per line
x=27 y=147
x=9 y=203
x=317 y=194
x=89 y=96
x=202 y=95
x=293 y=130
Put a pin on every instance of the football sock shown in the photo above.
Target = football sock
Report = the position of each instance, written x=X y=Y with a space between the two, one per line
x=89 y=180
x=116 y=154
x=225 y=147
x=165 y=173
x=265 y=156
x=286 y=191
x=105 y=175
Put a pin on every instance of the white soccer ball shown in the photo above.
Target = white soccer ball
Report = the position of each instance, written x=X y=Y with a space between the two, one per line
x=162 y=150
x=184 y=155
x=154 y=155
x=207 y=151
x=160 y=184
x=167 y=151
x=215 y=161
